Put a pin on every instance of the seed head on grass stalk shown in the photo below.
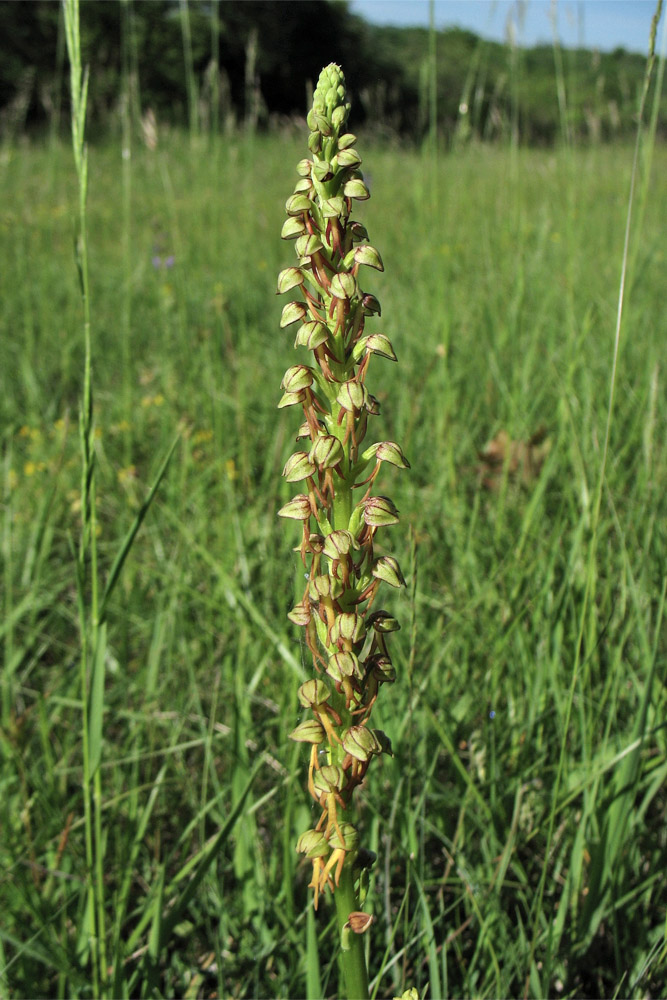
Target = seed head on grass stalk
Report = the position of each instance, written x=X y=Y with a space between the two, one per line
x=338 y=510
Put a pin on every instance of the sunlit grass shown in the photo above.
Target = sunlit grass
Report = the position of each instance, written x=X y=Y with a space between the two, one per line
x=502 y=310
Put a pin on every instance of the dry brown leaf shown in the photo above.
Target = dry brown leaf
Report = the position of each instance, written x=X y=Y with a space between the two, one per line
x=522 y=461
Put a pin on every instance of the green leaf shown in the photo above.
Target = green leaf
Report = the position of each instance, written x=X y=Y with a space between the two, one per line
x=123 y=552
x=96 y=702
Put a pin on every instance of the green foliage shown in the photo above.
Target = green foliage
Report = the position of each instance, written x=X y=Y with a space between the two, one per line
x=252 y=56
x=501 y=309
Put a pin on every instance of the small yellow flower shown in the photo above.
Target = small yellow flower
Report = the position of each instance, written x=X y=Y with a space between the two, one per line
x=156 y=400
x=200 y=436
x=127 y=474
x=121 y=427
x=32 y=468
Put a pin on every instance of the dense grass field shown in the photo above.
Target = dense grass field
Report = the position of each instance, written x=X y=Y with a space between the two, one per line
x=521 y=826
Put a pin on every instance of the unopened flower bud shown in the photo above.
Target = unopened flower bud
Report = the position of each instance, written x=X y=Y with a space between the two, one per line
x=339 y=117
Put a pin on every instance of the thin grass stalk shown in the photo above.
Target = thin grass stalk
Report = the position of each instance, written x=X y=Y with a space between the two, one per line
x=8 y=603
x=215 y=73
x=560 y=79
x=595 y=518
x=432 y=109
x=126 y=156
x=87 y=571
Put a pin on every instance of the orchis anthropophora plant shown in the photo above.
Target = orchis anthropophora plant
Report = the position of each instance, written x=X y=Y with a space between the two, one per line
x=339 y=514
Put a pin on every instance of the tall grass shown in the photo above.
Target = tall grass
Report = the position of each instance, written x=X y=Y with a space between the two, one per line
x=520 y=827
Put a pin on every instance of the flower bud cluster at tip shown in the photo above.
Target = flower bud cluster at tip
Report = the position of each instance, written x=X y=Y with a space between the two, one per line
x=336 y=472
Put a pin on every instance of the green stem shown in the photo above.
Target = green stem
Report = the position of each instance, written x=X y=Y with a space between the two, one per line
x=87 y=555
x=352 y=958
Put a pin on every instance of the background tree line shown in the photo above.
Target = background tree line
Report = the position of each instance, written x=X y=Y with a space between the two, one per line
x=222 y=63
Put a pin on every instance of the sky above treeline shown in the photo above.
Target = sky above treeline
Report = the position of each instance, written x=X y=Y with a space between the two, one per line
x=592 y=24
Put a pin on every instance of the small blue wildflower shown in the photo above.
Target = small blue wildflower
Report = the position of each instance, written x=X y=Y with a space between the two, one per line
x=167 y=263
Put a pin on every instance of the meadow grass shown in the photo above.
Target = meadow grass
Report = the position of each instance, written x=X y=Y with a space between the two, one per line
x=499 y=295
